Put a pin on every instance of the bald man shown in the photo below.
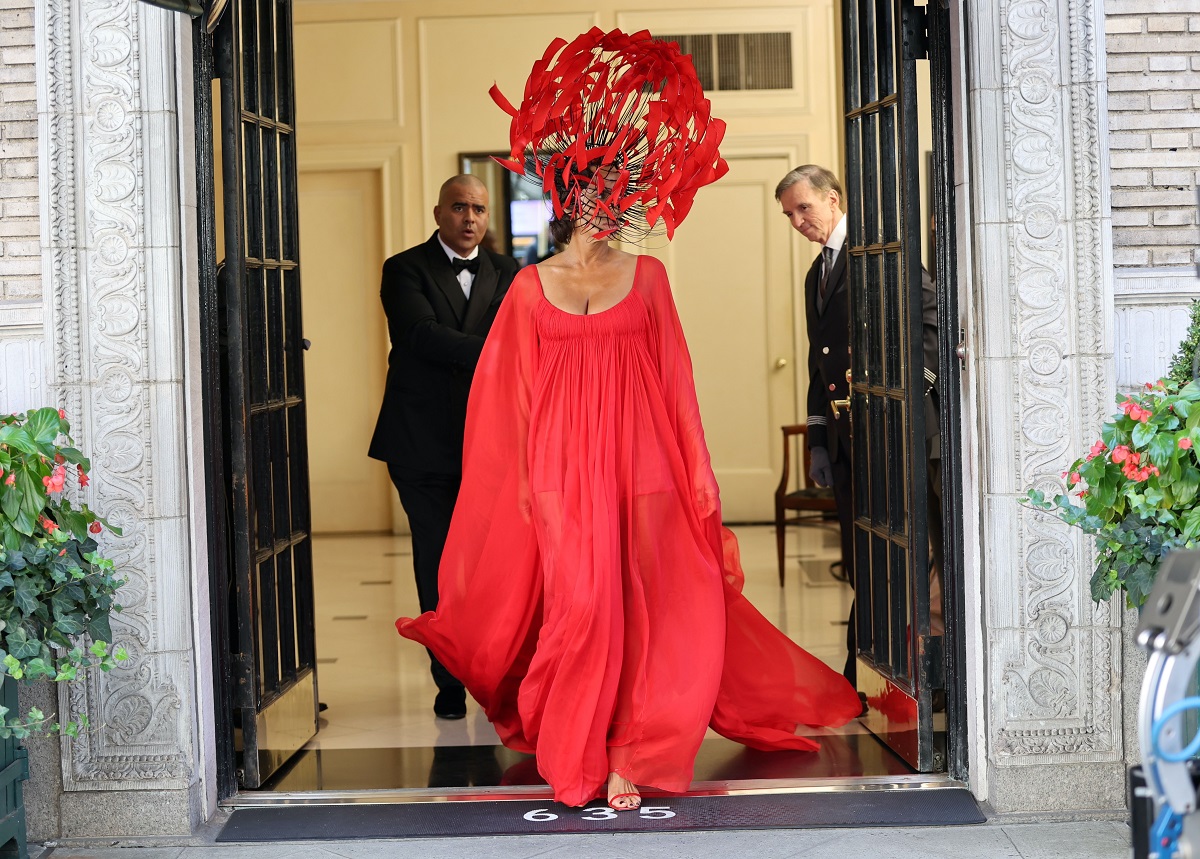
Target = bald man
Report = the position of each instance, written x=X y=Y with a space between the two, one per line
x=440 y=298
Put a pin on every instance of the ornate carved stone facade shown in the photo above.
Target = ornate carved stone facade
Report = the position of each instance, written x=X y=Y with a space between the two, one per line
x=112 y=265
x=1043 y=266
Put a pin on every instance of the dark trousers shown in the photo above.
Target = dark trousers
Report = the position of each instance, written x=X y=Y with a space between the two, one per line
x=428 y=500
x=843 y=487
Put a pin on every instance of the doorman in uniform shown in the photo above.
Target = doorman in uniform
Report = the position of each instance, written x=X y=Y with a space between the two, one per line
x=440 y=299
x=811 y=198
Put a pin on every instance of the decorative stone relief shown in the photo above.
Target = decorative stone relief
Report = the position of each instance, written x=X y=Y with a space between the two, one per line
x=108 y=126
x=1047 y=358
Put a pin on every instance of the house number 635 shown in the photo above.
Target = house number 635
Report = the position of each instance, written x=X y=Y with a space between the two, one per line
x=601 y=812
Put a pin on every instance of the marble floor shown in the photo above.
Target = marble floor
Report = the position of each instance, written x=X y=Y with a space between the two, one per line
x=378 y=728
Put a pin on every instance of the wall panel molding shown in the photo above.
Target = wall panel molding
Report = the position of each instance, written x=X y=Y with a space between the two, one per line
x=1153 y=306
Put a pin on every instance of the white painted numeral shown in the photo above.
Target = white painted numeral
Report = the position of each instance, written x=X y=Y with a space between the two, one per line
x=656 y=812
x=540 y=815
x=604 y=812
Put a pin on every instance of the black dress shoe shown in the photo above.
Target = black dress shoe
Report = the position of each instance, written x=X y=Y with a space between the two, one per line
x=450 y=704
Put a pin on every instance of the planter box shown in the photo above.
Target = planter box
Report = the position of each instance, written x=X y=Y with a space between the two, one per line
x=14 y=769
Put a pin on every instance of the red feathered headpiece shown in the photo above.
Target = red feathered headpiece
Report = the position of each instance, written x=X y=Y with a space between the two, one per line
x=618 y=130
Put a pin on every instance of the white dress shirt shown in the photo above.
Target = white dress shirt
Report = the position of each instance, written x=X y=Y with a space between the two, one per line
x=465 y=278
x=836 y=239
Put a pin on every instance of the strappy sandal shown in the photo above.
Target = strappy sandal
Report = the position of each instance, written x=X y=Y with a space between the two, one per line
x=612 y=799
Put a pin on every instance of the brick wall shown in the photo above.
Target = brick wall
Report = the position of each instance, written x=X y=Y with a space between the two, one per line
x=20 y=261
x=1153 y=49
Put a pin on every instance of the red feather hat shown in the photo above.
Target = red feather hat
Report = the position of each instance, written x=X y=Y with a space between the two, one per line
x=618 y=130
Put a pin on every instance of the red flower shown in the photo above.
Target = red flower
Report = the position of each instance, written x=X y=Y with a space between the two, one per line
x=95 y=528
x=83 y=478
x=1122 y=452
x=1074 y=478
x=11 y=479
x=59 y=458
x=49 y=525
x=62 y=414
x=55 y=480
x=63 y=553
x=1134 y=411
x=1098 y=448
x=1185 y=443
x=1138 y=475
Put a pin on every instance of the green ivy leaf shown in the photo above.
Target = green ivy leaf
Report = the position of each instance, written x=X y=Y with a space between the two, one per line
x=21 y=646
x=69 y=624
x=26 y=594
x=36 y=669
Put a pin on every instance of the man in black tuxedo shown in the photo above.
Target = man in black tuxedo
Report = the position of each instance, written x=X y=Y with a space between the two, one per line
x=811 y=198
x=440 y=298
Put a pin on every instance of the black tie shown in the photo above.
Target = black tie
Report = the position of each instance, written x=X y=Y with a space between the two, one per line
x=826 y=269
x=471 y=265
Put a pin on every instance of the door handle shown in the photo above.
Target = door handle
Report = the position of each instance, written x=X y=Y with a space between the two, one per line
x=780 y=363
x=840 y=404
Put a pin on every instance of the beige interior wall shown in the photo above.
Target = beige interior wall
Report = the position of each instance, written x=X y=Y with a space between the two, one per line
x=404 y=85
x=343 y=375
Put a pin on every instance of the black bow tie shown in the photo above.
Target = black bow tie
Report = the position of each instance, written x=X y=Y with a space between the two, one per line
x=471 y=265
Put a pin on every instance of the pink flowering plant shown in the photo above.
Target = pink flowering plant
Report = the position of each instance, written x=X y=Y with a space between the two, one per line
x=1136 y=488
x=57 y=590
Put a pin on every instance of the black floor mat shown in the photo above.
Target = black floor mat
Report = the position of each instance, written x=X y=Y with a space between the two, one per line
x=916 y=807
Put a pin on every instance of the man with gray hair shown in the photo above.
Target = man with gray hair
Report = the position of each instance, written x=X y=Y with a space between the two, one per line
x=811 y=198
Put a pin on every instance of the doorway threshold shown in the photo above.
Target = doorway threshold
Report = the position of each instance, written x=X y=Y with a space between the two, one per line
x=260 y=799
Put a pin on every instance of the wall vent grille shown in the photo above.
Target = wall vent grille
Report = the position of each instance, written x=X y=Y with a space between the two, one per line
x=739 y=61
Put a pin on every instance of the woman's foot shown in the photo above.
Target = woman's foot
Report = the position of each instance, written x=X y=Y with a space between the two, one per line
x=623 y=794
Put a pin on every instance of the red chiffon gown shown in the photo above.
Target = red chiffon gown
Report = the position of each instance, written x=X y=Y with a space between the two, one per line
x=590 y=599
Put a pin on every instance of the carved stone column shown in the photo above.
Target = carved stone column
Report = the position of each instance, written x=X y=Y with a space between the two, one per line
x=113 y=277
x=1043 y=276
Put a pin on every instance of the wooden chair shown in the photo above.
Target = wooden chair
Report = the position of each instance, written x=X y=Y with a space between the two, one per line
x=806 y=500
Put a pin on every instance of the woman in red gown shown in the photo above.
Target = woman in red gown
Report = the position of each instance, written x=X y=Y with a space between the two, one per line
x=590 y=599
